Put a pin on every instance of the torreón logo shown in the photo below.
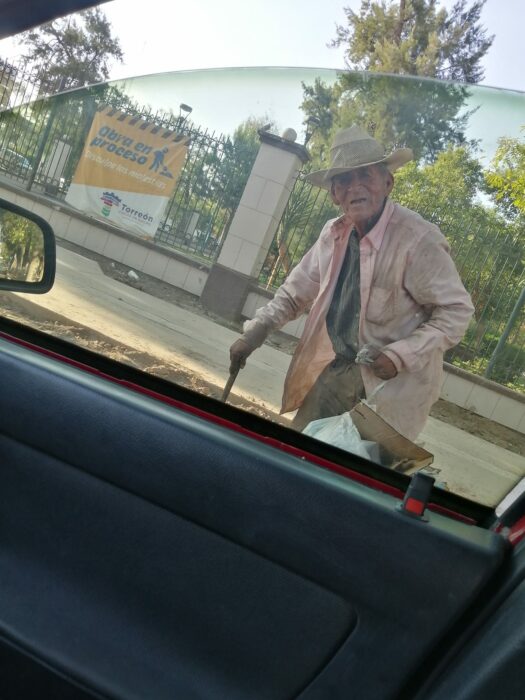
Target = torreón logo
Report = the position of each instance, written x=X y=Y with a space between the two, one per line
x=136 y=214
x=109 y=199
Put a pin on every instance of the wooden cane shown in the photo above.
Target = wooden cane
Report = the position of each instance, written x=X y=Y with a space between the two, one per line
x=229 y=384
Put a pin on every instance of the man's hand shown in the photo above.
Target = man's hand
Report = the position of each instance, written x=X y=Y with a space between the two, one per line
x=239 y=352
x=383 y=367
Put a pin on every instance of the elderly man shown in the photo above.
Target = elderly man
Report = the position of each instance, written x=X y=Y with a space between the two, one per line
x=378 y=276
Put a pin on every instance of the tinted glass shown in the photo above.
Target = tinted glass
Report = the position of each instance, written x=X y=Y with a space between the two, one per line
x=181 y=206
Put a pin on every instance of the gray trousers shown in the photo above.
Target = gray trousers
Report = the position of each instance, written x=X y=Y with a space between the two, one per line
x=338 y=388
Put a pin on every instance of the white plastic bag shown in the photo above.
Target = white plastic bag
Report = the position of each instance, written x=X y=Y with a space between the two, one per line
x=338 y=431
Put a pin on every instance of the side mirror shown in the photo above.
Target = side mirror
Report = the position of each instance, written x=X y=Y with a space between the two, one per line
x=27 y=251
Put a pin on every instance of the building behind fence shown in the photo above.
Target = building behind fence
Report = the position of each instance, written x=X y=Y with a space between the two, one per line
x=41 y=142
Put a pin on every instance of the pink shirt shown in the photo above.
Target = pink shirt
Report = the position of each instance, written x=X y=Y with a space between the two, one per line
x=413 y=306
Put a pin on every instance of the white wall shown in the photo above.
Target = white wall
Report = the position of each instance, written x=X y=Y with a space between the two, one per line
x=113 y=244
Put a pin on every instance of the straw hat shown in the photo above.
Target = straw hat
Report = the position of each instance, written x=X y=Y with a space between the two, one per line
x=354 y=148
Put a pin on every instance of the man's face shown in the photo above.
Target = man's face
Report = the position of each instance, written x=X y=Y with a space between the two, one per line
x=361 y=193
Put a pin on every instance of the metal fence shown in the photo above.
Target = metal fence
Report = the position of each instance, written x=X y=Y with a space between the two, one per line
x=21 y=83
x=490 y=257
x=41 y=141
x=207 y=194
x=306 y=212
x=491 y=262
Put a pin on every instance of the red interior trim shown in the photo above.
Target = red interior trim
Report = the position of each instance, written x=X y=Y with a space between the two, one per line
x=517 y=532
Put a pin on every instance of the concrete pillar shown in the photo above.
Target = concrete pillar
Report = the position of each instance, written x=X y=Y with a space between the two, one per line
x=254 y=224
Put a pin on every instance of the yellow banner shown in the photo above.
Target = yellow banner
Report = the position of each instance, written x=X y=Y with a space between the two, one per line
x=127 y=171
x=129 y=154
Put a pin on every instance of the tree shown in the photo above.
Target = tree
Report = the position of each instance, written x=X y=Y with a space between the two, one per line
x=506 y=176
x=212 y=183
x=425 y=115
x=413 y=38
x=76 y=50
x=445 y=190
x=320 y=105
x=222 y=173
x=21 y=247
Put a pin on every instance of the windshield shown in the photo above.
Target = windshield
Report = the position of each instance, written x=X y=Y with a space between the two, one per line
x=345 y=246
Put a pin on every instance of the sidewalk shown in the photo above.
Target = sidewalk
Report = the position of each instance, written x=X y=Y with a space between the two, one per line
x=82 y=293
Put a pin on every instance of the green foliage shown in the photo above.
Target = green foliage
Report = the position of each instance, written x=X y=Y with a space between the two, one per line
x=221 y=172
x=77 y=49
x=21 y=243
x=506 y=176
x=239 y=156
x=413 y=38
x=510 y=366
x=447 y=188
x=416 y=37
x=422 y=114
x=320 y=106
x=213 y=180
x=509 y=369
x=425 y=115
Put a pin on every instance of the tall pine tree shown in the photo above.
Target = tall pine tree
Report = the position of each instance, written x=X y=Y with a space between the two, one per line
x=416 y=37
x=74 y=50
x=413 y=38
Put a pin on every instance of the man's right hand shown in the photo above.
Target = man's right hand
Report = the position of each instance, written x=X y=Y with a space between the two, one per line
x=239 y=352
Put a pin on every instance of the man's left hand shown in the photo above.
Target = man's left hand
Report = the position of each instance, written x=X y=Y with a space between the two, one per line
x=383 y=367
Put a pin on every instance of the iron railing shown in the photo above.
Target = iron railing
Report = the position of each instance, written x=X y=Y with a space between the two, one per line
x=306 y=212
x=41 y=140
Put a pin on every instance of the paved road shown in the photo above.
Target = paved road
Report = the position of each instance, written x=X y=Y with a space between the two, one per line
x=83 y=294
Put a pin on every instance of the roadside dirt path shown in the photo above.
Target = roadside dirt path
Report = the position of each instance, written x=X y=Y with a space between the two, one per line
x=23 y=311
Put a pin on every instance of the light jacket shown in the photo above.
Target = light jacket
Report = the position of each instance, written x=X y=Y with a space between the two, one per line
x=413 y=307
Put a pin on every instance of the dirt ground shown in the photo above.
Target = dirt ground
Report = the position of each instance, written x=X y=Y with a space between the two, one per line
x=59 y=326
x=23 y=311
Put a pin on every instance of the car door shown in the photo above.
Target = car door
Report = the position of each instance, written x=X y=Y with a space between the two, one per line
x=157 y=542
x=152 y=550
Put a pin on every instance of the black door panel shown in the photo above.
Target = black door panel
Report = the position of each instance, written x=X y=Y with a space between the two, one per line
x=153 y=554
x=103 y=581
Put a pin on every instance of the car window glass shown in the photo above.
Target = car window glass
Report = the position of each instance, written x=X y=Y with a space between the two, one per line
x=182 y=202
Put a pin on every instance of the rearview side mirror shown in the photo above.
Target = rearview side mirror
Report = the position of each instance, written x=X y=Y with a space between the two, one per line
x=27 y=251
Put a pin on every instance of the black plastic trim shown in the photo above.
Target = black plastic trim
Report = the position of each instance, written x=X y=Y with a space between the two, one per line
x=50 y=256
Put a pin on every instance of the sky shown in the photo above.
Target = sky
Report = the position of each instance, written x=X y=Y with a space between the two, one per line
x=160 y=36
x=213 y=34
x=203 y=34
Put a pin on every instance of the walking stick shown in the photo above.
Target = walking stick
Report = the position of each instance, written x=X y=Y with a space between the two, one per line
x=229 y=383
